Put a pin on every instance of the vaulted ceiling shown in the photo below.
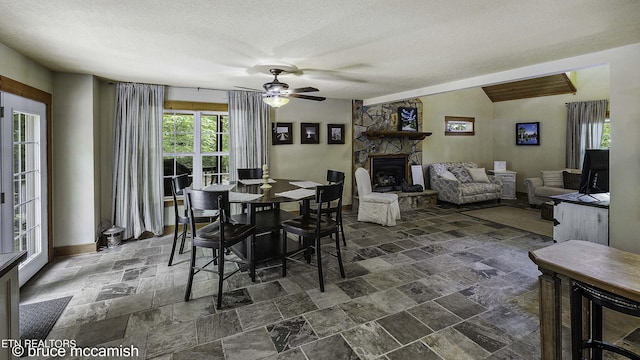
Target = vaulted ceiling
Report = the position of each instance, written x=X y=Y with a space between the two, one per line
x=542 y=86
x=356 y=49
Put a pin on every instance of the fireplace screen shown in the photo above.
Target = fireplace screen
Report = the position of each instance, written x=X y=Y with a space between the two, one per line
x=387 y=173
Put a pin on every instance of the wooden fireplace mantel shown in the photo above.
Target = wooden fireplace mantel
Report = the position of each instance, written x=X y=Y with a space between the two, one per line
x=381 y=134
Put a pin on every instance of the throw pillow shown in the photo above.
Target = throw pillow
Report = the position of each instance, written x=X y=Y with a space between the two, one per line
x=552 y=178
x=571 y=180
x=449 y=176
x=478 y=175
x=461 y=174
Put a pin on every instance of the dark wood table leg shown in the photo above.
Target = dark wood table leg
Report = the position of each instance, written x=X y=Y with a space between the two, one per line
x=550 y=316
x=251 y=209
x=576 y=323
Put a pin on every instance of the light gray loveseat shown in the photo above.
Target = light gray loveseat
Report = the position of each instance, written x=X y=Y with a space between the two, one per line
x=462 y=192
x=551 y=183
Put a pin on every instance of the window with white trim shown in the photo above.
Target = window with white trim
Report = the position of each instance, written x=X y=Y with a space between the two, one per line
x=195 y=143
x=606 y=134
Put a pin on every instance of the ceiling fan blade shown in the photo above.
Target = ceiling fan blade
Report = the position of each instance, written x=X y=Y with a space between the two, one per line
x=246 y=88
x=303 y=90
x=308 y=97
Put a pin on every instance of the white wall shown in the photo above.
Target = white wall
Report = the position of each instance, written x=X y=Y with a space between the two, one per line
x=468 y=103
x=74 y=182
x=624 y=213
x=20 y=68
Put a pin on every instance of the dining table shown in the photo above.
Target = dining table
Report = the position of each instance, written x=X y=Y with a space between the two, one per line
x=263 y=210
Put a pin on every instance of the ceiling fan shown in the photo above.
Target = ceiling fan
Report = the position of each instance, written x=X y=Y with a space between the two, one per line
x=277 y=93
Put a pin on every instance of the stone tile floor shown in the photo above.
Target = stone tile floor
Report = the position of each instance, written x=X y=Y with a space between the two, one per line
x=439 y=285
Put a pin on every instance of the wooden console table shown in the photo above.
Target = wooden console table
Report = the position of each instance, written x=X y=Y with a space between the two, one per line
x=599 y=266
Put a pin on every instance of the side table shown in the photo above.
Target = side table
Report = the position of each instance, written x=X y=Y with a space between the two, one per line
x=508 y=179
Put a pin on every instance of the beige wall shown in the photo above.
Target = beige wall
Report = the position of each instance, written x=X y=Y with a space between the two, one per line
x=495 y=126
x=468 y=103
x=311 y=161
x=551 y=112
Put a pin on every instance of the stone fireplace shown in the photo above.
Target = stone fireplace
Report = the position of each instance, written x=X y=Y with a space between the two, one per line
x=383 y=117
x=389 y=157
x=388 y=171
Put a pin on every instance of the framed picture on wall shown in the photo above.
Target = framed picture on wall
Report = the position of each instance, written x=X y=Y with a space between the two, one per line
x=407 y=119
x=335 y=133
x=310 y=133
x=528 y=133
x=459 y=125
x=282 y=134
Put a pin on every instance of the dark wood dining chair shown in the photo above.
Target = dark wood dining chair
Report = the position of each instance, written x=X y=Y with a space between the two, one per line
x=252 y=173
x=313 y=228
x=249 y=173
x=219 y=236
x=178 y=185
x=333 y=177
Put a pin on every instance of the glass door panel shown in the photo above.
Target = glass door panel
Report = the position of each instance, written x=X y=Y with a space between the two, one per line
x=23 y=213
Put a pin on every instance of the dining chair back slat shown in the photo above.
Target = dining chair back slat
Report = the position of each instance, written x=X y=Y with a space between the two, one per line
x=249 y=173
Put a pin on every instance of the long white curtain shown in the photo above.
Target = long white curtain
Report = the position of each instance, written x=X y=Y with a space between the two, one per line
x=585 y=121
x=137 y=153
x=249 y=131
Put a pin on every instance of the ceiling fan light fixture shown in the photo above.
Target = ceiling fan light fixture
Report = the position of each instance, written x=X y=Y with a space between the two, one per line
x=275 y=100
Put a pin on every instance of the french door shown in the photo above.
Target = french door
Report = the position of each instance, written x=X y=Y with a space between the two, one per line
x=23 y=183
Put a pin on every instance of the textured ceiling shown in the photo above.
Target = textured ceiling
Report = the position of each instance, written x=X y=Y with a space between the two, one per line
x=356 y=49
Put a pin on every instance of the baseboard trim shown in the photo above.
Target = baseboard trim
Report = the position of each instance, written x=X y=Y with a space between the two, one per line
x=74 y=249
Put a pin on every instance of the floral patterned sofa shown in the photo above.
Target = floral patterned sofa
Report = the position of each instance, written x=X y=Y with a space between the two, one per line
x=449 y=180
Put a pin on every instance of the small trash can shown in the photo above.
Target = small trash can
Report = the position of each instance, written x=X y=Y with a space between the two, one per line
x=114 y=236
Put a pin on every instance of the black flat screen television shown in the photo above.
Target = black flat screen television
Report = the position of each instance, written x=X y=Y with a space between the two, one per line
x=595 y=172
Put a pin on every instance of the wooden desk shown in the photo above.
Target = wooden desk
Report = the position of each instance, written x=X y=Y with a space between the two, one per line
x=597 y=265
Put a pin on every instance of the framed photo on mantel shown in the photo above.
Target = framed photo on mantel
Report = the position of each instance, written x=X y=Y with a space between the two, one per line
x=407 y=119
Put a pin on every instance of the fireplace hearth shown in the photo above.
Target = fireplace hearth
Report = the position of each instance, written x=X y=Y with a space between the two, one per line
x=388 y=171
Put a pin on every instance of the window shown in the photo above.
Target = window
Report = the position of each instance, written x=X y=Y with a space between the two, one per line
x=195 y=143
x=606 y=135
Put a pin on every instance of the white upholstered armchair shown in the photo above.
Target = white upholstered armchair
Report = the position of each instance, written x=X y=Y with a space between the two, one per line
x=379 y=208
